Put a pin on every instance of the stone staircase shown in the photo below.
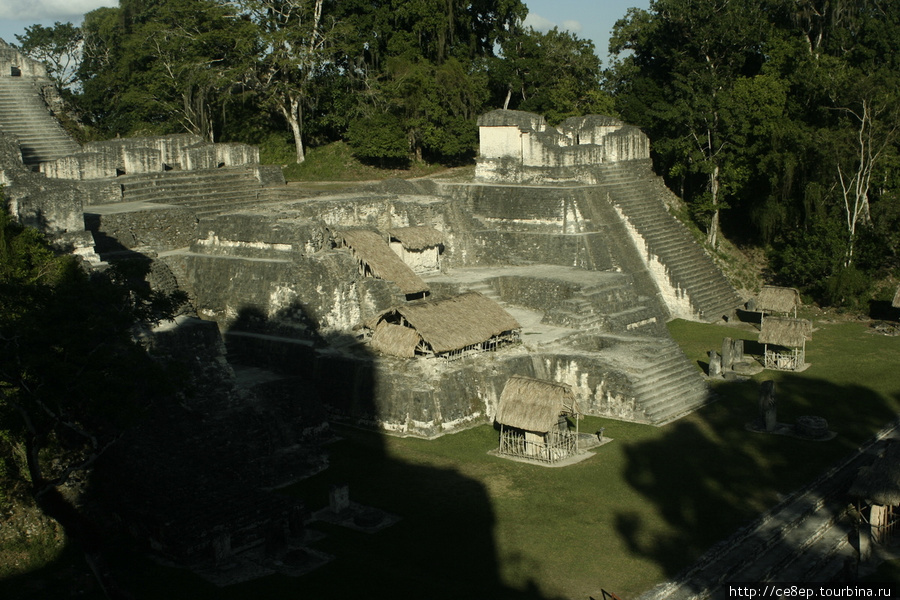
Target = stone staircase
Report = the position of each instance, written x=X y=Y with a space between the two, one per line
x=613 y=307
x=664 y=382
x=206 y=192
x=805 y=538
x=24 y=114
x=635 y=191
x=608 y=307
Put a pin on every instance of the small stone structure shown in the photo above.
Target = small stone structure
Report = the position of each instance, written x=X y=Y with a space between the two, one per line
x=788 y=340
x=520 y=147
x=768 y=406
x=345 y=513
x=453 y=328
x=419 y=247
x=715 y=364
x=112 y=158
x=808 y=427
x=532 y=417
x=731 y=363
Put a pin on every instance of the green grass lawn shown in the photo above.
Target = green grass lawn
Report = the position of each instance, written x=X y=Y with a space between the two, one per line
x=644 y=507
x=335 y=162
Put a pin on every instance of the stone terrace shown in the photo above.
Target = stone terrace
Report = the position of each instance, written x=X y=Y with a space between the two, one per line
x=24 y=114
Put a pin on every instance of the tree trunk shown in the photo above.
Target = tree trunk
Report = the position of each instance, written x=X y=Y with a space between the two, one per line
x=293 y=116
x=81 y=530
x=712 y=234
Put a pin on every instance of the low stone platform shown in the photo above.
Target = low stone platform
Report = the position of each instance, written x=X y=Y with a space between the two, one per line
x=586 y=443
x=358 y=517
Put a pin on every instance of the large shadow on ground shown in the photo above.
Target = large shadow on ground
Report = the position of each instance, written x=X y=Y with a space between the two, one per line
x=261 y=449
x=708 y=475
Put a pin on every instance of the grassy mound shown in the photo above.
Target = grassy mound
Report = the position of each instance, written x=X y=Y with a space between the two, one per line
x=335 y=162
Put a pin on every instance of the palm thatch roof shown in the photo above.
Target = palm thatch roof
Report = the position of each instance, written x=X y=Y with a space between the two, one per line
x=417 y=238
x=395 y=340
x=369 y=247
x=880 y=482
x=772 y=298
x=446 y=325
x=782 y=331
x=896 y=302
x=534 y=404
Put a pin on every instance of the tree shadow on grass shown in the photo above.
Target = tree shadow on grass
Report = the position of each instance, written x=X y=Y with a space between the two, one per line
x=208 y=467
x=708 y=474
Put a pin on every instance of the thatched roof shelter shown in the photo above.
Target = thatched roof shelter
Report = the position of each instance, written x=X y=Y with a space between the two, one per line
x=782 y=331
x=774 y=299
x=417 y=238
x=896 y=302
x=534 y=404
x=443 y=325
x=396 y=340
x=369 y=247
x=880 y=482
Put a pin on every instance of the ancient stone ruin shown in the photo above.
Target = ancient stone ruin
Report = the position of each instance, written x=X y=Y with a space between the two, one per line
x=559 y=256
x=807 y=427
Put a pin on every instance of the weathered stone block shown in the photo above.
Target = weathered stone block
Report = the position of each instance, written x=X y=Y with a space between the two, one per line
x=727 y=353
x=715 y=364
x=339 y=498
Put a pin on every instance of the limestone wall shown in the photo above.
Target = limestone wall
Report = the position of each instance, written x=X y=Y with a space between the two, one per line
x=12 y=62
x=520 y=148
x=432 y=397
x=136 y=155
x=304 y=297
x=160 y=229
x=46 y=205
x=427 y=260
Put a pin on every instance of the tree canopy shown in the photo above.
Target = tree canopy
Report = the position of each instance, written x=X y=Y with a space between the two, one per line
x=779 y=118
x=414 y=75
x=71 y=376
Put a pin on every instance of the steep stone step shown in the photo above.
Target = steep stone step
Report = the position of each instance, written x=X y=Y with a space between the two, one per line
x=803 y=538
x=206 y=192
x=788 y=544
x=688 y=266
x=823 y=554
x=664 y=383
x=24 y=114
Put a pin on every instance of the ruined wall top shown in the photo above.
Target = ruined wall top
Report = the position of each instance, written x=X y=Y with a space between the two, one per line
x=513 y=118
x=15 y=64
x=152 y=154
x=520 y=147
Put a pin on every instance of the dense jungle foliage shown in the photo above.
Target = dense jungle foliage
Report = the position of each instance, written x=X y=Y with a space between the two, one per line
x=775 y=120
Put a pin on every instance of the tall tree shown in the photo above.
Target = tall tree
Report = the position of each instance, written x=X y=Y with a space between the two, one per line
x=58 y=47
x=71 y=376
x=419 y=65
x=555 y=74
x=783 y=109
x=296 y=37
x=678 y=65
x=165 y=66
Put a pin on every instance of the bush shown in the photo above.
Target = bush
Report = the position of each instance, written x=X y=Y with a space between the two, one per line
x=277 y=149
x=380 y=137
x=847 y=288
